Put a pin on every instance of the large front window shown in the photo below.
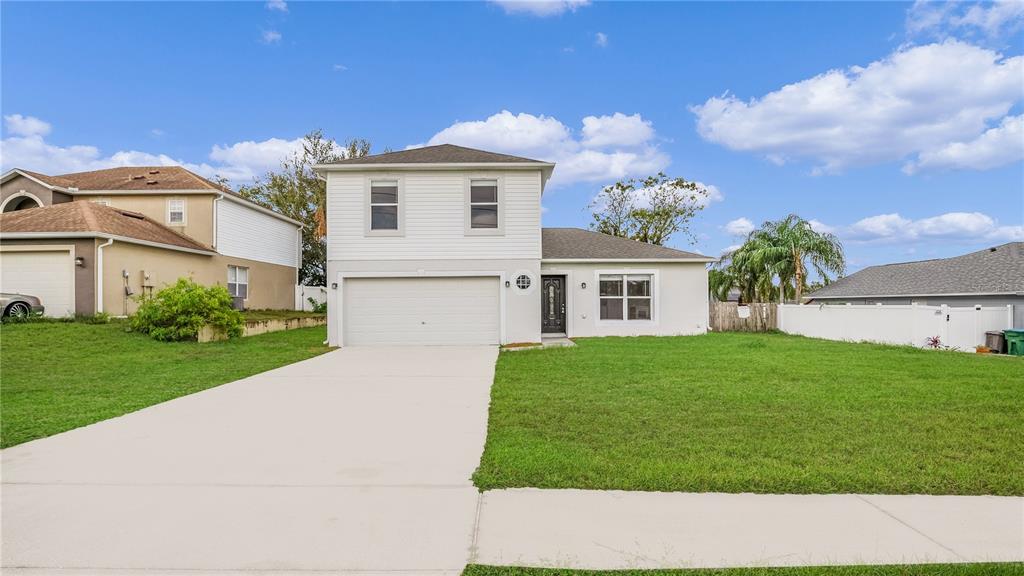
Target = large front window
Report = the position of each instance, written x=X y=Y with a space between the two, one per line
x=384 y=205
x=626 y=296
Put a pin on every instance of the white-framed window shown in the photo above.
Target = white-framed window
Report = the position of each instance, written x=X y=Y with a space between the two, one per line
x=384 y=205
x=101 y=201
x=238 y=281
x=176 y=211
x=626 y=296
x=483 y=204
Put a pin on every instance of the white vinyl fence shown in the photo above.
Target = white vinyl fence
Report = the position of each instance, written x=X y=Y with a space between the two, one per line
x=304 y=293
x=958 y=327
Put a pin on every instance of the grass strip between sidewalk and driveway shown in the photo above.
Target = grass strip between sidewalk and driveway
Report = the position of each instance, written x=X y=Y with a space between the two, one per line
x=1005 y=569
x=763 y=413
x=55 y=376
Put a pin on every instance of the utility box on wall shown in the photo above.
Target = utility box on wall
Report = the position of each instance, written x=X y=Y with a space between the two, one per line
x=147 y=279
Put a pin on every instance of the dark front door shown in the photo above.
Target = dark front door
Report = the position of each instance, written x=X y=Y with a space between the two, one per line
x=552 y=304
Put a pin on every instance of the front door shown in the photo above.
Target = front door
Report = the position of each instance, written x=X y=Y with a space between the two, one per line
x=552 y=305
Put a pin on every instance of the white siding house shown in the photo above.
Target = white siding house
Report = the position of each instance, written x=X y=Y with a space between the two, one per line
x=245 y=231
x=444 y=245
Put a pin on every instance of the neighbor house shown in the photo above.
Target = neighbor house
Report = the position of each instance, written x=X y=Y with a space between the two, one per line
x=93 y=241
x=443 y=245
x=990 y=277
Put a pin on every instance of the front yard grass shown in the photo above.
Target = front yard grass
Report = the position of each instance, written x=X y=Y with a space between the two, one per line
x=1006 y=569
x=765 y=413
x=55 y=376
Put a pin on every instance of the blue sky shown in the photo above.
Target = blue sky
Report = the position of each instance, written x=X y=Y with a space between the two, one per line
x=897 y=126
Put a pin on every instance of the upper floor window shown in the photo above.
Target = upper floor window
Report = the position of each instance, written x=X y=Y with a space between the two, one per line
x=101 y=201
x=238 y=281
x=626 y=296
x=384 y=205
x=176 y=211
x=483 y=204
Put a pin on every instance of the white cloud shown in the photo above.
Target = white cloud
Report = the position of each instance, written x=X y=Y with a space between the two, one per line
x=620 y=151
x=26 y=125
x=339 y=67
x=239 y=162
x=279 y=5
x=995 y=147
x=271 y=37
x=739 y=227
x=941 y=19
x=913 y=102
x=616 y=130
x=729 y=249
x=820 y=227
x=891 y=228
x=157 y=133
x=541 y=8
x=601 y=39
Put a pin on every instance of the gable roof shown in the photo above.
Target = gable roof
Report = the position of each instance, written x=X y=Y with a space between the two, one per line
x=579 y=244
x=996 y=270
x=129 y=179
x=83 y=218
x=439 y=154
x=142 y=178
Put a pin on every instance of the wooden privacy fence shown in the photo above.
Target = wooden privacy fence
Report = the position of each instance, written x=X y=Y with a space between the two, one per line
x=731 y=317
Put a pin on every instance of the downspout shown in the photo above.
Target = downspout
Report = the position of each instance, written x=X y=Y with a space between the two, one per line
x=99 y=274
x=216 y=215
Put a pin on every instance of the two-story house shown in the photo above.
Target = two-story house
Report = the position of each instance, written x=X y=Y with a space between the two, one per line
x=92 y=241
x=444 y=245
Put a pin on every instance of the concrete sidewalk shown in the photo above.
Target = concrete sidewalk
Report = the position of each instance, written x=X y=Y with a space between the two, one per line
x=615 y=530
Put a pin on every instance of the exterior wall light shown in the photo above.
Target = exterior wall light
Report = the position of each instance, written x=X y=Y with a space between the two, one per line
x=79 y=260
x=583 y=285
x=507 y=284
x=334 y=285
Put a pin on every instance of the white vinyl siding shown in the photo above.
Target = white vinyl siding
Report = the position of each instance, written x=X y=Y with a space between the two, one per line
x=417 y=311
x=434 y=207
x=244 y=232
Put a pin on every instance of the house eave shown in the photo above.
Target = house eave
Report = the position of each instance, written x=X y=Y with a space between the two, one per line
x=16 y=172
x=103 y=235
x=623 y=260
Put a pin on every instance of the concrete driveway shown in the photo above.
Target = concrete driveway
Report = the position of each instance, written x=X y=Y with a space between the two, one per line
x=357 y=460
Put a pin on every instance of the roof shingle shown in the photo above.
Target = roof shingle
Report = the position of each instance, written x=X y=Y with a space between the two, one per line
x=576 y=243
x=996 y=270
x=140 y=178
x=89 y=217
x=440 y=154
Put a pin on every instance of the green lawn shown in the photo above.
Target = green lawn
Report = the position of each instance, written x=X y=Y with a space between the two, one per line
x=55 y=376
x=275 y=314
x=766 y=413
x=1009 y=569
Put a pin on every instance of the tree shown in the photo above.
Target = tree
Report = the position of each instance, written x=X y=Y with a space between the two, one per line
x=297 y=192
x=649 y=210
x=782 y=249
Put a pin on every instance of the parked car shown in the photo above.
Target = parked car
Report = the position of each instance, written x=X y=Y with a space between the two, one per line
x=19 y=305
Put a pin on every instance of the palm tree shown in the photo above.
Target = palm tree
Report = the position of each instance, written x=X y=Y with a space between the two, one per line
x=783 y=249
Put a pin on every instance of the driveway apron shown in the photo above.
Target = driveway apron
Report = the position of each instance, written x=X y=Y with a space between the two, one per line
x=358 y=460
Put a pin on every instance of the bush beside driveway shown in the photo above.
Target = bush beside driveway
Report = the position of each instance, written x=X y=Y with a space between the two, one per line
x=58 y=375
x=763 y=413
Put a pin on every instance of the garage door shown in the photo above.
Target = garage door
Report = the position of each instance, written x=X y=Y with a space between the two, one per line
x=48 y=275
x=413 y=311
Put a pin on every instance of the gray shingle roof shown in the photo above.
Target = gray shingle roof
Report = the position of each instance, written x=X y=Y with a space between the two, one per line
x=998 y=270
x=576 y=243
x=440 y=154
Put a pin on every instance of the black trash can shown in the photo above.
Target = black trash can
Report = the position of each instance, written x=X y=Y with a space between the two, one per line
x=995 y=341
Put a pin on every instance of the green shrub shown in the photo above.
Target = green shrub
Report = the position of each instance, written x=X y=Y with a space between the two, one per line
x=97 y=318
x=318 y=307
x=179 y=311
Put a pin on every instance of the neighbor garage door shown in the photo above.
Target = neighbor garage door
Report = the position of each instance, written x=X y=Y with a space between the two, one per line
x=412 y=311
x=46 y=274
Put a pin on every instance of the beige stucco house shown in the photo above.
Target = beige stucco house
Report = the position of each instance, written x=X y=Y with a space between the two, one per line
x=92 y=241
x=444 y=245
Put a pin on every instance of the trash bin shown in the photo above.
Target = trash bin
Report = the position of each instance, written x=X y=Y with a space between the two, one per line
x=995 y=341
x=1014 y=342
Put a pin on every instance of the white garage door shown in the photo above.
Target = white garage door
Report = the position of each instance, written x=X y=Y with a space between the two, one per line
x=412 y=311
x=48 y=275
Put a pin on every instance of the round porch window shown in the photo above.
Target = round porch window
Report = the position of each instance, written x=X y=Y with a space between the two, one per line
x=523 y=282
